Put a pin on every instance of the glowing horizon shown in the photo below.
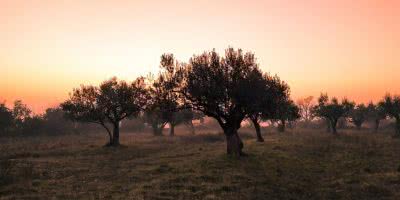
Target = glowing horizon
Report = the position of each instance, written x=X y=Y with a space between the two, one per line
x=347 y=49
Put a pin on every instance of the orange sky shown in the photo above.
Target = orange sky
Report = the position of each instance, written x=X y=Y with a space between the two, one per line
x=345 y=48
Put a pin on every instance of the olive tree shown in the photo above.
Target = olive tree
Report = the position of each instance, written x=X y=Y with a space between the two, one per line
x=305 y=106
x=376 y=113
x=358 y=115
x=287 y=112
x=223 y=88
x=267 y=101
x=332 y=110
x=21 y=113
x=107 y=104
x=391 y=106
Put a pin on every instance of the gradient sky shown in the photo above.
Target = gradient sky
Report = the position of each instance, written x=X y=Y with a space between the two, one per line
x=345 y=48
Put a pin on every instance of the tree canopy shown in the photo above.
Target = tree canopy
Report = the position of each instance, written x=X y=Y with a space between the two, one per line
x=109 y=103
x=391 y=106
x=359 y=115
x=332 y=110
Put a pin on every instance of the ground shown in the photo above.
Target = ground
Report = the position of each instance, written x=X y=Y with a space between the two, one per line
x=294 y=165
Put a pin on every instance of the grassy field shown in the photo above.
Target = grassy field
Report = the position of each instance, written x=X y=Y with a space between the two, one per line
x=294 y=165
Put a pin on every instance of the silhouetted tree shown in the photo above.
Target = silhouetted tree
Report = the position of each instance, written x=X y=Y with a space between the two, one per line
x=359 y=115
x=305 y=107
x=34 y=124
x=376 y=113
x=154 y=117
x=110 y=103
x=391 y=106
x=163 y=105
x=287 y=112
x=21 y=112
x=220 y=87
x=55 y=121
x=6 y=118
x=332 y=110
x=270 y=95
x=183 y=116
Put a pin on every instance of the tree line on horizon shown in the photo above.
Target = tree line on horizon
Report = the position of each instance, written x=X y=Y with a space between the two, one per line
x=230 y=89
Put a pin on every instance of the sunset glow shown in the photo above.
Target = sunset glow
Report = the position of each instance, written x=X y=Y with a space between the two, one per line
x=344 y=48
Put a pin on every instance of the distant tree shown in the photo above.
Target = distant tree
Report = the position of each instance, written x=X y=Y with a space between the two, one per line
x=391 y=106
x=376 y=113
x=154 y=116
x=55 y=121
x=191 y=115
x=287 y=112
x=110 y=103
x=6 y=118
x=34 y=124
x=271 y=93
x=332 y=110
x=359 y=115
x=163 y=106
x=221 y=87
x=305 y=107
x=21 y=112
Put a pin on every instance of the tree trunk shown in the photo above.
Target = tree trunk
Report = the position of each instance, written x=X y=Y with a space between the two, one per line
x=171 y=129
x=115 y=138
x=377 y=122
x=282 y=126
x=333 y=126
x=258 y=130
x=234 y=144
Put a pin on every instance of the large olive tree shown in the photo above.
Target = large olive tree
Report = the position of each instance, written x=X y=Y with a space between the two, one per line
x=224 y=88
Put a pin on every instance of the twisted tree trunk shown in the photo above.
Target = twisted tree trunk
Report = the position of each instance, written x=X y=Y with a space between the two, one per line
x=377 y=122
x=258 y=130
x=171 y=129
x=333 y=126
x=234 y=144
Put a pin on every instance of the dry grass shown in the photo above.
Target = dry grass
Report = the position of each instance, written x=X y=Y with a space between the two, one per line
x=287 y=166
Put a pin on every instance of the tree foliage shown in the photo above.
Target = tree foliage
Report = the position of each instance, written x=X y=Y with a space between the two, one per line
x=391 y=106
x=287 y=111
x=376 y=113
x=359 y=115
x=21 y=113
